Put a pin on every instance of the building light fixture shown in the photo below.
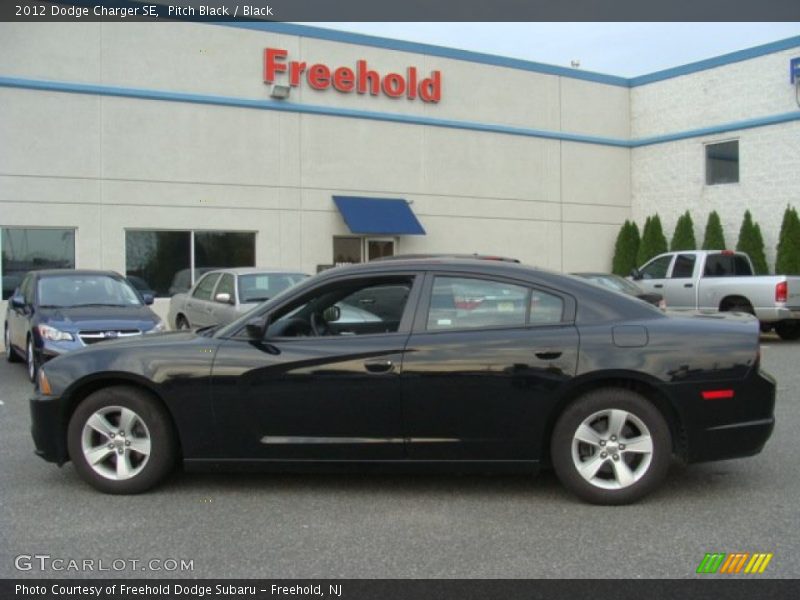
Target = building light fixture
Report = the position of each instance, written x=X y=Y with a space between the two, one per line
x=280 y=92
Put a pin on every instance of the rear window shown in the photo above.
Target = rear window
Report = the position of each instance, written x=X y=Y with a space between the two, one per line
x=726 y=265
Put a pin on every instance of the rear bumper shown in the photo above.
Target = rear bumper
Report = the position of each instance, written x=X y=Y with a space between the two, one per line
x=732 y=428
x=48 y=429
x=773 y=315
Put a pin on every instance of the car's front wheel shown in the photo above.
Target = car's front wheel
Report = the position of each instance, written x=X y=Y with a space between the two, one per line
x=30 y=359
x=121 y=440
x=11 y=356
x=182 y=323
x=611 y=446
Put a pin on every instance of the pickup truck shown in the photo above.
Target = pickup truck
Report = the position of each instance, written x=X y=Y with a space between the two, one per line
x=723 y=280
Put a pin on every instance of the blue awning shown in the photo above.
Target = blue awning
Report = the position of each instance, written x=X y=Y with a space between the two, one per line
x=378 y=216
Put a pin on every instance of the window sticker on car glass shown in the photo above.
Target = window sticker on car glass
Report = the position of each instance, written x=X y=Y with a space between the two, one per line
x=444 y=321
x=505 y=307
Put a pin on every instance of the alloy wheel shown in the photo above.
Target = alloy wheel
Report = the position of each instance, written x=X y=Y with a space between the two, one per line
x=30 y=360
x=116 y=443
x=612 y=449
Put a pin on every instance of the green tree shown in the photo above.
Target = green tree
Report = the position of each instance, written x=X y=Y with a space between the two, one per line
x=683 y=237
x=653 y=240
x=714 y=237
x=787 y=259
x=751 y=242
x=625 y=249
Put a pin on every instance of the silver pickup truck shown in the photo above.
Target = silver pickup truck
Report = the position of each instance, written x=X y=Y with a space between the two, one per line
x=723 y=280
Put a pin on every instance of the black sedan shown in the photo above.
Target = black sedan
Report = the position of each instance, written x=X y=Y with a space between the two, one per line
x=61 y=310
x=552 y=371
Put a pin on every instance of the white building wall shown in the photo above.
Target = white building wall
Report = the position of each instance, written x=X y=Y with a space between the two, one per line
x=105 y=164
x=669 y=178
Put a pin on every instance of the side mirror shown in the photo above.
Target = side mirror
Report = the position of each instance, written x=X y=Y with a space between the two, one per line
x=332 y=314
x=17 y=301
x=223 y=298
x=636 y=274
x=148 y=299
x=256 y=328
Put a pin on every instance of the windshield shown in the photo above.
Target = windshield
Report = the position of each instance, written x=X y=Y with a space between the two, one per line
x=264 y=286
x=66 y=291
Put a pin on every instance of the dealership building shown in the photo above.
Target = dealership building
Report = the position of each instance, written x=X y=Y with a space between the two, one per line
x=153 y=149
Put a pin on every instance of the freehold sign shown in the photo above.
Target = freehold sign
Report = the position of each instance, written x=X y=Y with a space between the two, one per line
x=361 y=79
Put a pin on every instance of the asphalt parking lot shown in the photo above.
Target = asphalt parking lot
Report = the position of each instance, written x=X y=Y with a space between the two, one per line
x=402 y=526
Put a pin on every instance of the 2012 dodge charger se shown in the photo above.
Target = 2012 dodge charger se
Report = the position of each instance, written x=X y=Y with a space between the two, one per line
x=467 y=364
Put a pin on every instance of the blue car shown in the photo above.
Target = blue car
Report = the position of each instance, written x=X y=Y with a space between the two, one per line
x=57 y=311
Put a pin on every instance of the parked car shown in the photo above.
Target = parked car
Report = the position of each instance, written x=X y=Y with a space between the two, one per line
x=141 y=286
x=723 y=280
x=620 y=284
x=182 y=280
x=57 y=311
x=221 y=296
x=606 y=389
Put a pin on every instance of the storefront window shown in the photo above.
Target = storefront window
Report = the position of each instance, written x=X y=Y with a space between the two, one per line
x=218 y=249
x=346 y=250
x=722 y=163
x=32 y=249
x=161 y=261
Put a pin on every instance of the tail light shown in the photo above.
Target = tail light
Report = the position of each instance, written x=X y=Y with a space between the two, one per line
x=781 y=292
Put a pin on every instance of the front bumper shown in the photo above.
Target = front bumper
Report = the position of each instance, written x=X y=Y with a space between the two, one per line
x=48 y=428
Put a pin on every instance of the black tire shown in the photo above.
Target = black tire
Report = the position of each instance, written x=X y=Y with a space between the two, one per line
x=182 y=323
x=31 y=362
x=788 y=330
x=741 y=307
x=646 y=471
x=11 y=355
x=152 y=422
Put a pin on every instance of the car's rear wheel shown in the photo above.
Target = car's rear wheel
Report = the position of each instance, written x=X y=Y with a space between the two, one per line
x=182 y=323
x=11 y=356
x=121 y=440
x=611 y=446
x=30 y=359
x=788 y=330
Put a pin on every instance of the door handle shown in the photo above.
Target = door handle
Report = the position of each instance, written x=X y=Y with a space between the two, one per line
x=548 y=354
x=688 y=285
x=379 y=366
x=658 y=285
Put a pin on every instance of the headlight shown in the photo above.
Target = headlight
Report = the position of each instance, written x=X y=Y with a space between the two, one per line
x=158 y=327
x=54 y=335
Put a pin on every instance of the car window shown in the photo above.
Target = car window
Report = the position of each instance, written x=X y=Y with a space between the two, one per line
x=26 y=289
x=258 y=287
x=546 y=309
x=719 y=265
x=460 y=302
x=204 y=287
x=353 y=307
x=684 y=266
x=656 y=269
x=741 y=265
x=225 y=285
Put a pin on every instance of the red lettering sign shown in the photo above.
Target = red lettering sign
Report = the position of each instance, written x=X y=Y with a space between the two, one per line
x=362 y=80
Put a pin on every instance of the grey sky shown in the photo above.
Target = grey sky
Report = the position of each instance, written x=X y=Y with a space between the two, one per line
x=624 y=49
